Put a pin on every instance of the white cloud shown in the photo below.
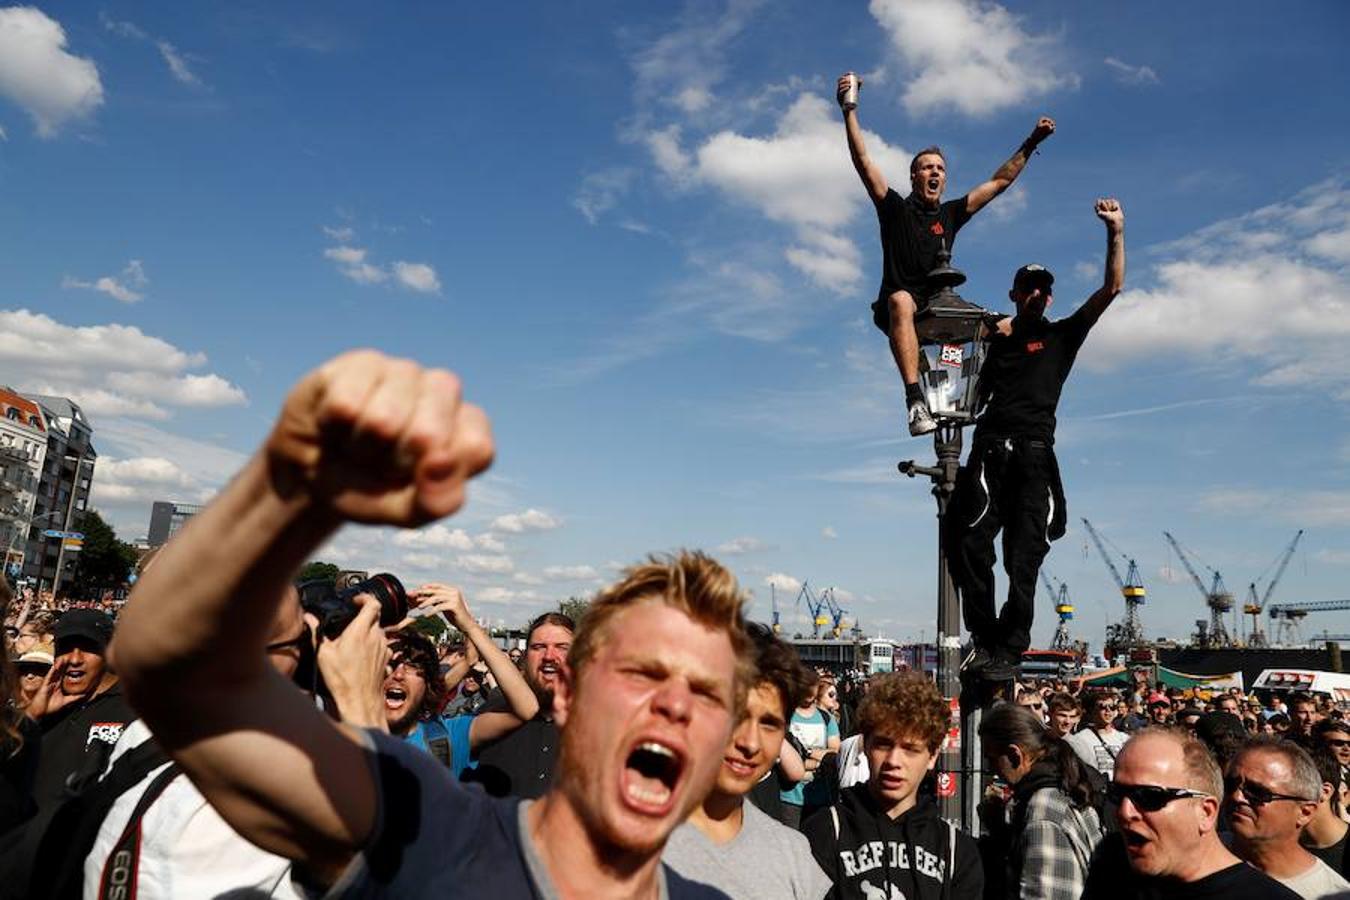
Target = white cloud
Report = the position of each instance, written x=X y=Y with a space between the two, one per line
x=1211 y=297
x=1311 y=508
x=418 y=277
x=783 y=582
x=529 y=520
x=423 y=562
x=175 y=59
x=439 y=536
x=177 y=63
x=1334 y=557
x=527 y=578
x=600 y=192
x=829 y=533
x=1128 y=74
x=108 y=369
x=741 y=545
x=969 y=56
x=799 y=176
x=570 y=573
x=142 y=479
x=37 y=73
x=352 y=263
x=490 y=542
x=125 y=287
x=482 y=564
x=1011 y=204
x=682 y=68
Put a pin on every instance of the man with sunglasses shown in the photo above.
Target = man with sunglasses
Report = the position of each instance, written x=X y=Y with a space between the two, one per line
x=1270 y=794
x=1098 y=743
x=1167 y=790
x=1334 y=735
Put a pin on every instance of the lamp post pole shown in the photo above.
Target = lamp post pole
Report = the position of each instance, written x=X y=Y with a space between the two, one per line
x=954 y=327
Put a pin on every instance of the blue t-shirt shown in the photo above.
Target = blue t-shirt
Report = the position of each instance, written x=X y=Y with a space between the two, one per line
x=457 y=730
x=814 y=734
x=436 y=837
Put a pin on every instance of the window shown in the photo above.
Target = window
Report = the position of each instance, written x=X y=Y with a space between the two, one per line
x=12 y=413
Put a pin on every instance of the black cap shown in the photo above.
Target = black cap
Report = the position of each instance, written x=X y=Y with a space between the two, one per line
x=86 y=623
x=1034 y=272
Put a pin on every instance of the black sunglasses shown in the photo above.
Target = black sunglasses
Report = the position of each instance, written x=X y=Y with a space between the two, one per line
x=1148 y=797
x=1257 y=795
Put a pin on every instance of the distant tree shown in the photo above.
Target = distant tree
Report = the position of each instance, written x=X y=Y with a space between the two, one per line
x=319 y=571
x=103 y=562
x=574 y=608
x=432 y=627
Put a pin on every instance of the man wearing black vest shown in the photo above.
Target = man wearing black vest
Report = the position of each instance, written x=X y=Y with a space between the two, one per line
x=1011 y=480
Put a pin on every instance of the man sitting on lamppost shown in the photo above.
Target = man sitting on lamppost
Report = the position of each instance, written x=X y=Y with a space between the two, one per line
x=1011 y=480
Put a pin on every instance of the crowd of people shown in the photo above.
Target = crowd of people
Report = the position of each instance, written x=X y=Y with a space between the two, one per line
x=216 y=739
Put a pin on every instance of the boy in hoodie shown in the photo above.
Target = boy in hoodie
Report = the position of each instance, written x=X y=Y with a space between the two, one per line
x=881 y=840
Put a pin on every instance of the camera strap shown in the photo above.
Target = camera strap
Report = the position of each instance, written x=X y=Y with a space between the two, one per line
x=119 y=878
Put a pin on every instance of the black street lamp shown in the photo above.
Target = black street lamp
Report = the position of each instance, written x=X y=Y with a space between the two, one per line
x=951 y=353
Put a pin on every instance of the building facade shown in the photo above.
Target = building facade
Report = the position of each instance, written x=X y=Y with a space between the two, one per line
x=166 y=517
x=23 y=451
x=63 y=490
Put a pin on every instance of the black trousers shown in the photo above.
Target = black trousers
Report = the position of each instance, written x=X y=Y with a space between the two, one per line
x=1011 y=486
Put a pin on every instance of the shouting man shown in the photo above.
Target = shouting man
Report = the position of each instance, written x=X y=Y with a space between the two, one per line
x=913 y=230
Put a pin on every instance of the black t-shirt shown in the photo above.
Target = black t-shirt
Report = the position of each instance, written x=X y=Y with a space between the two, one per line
x=1335 y=855
x=77 y=741
x=1024 y=374
x=1111 y=878
x=18 y=766
x=911 y=235
x=520 y=764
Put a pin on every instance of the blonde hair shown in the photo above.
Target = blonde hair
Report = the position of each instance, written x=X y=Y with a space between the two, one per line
x=689 y=581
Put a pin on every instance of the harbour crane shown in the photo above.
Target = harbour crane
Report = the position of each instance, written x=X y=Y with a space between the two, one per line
x=1217 y=598
x=1254 y=607
x=1129 y=631
x=1289 y=617
x=1063 y=609
x=823 y=609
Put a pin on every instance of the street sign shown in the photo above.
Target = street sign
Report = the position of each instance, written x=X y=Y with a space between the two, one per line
x=64 y=535
x=72 y=544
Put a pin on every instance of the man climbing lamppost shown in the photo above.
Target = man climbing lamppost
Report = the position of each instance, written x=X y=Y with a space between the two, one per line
x=913 y=230
x=1011 y=480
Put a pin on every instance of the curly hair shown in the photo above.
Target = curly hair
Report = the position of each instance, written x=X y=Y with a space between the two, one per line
x=691 y=582
x=905 y=704
x=418 y=651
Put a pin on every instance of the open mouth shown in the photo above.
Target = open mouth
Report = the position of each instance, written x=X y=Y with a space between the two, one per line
x=933 y=184
x=394 y=697
x=650 y=776
x=1134 y=841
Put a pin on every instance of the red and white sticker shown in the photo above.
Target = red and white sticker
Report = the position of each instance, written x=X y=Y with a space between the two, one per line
x=952 y=354
x=954 y=726
x=946 y=784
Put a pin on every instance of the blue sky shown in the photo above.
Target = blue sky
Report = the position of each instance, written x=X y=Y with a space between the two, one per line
x=634 y=231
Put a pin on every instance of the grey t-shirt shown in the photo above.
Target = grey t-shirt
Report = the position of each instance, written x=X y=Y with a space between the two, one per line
x=1098 y=749
x=1320 y=882
x=435 y=837
x=766 y=861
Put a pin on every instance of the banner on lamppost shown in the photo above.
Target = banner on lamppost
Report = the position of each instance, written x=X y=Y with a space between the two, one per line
x=72 y=544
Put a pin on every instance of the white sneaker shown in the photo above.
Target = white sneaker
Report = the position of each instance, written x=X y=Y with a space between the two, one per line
x=920 y=419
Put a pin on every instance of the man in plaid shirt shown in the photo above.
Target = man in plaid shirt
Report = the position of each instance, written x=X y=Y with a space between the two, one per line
x=1051 y=826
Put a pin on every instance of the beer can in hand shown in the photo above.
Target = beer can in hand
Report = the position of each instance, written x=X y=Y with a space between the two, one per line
x=851 y=94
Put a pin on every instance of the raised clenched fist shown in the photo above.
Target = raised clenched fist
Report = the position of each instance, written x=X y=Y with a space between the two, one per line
x=379 y=440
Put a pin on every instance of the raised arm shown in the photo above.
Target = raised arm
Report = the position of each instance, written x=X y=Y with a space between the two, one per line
x=363 y=438
x=524 y=704
x=871 y=176
x=1007 y=173
x=1109 y=211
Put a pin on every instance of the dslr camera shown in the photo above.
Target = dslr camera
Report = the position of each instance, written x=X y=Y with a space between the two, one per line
x=335 y=607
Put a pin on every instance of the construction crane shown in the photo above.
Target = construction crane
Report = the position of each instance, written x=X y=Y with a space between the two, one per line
x=1129 y=631
x=773 y=595
x=837 y=612
x=1217 y=598
x=1253 y=607
x=1289 y=617
x=823 y=609
x=1063 y=609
